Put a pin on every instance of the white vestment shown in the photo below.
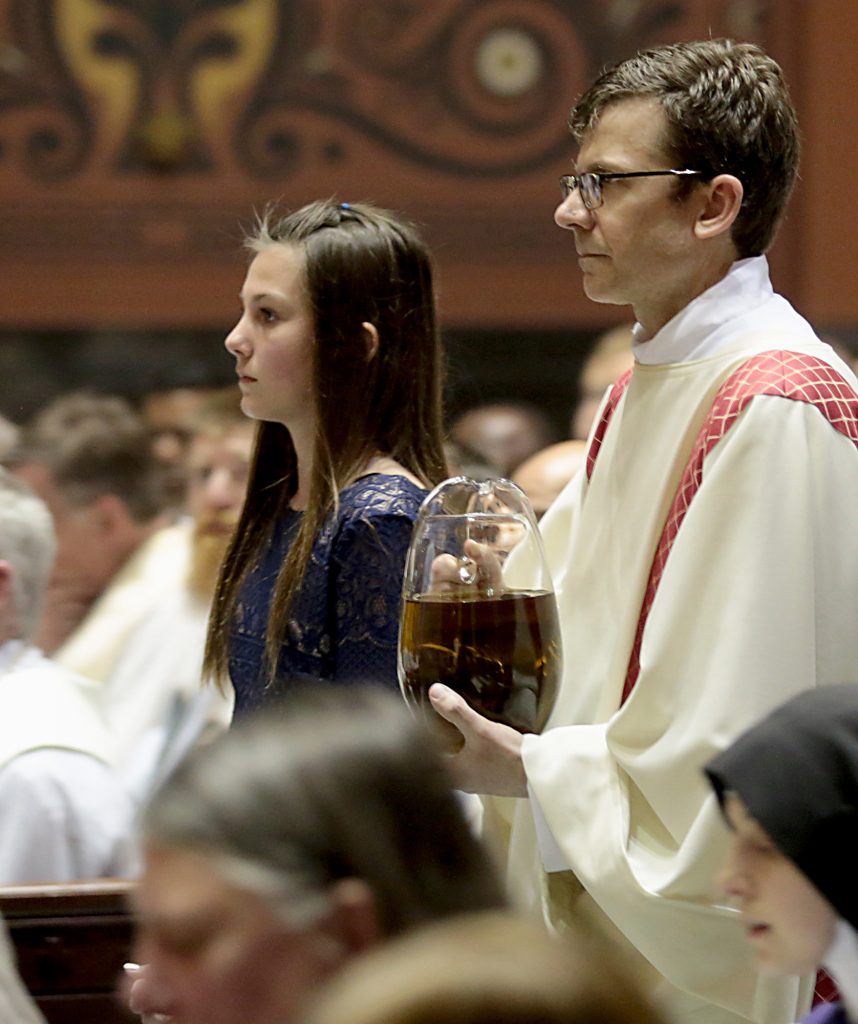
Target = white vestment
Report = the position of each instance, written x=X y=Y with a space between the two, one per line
x=143 y=640
x=758 y=600
x=63 y=814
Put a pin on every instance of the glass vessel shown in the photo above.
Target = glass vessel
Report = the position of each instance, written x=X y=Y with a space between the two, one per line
x=479 y=612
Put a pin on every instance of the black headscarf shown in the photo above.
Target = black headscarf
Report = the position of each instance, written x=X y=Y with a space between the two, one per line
x=797 y=774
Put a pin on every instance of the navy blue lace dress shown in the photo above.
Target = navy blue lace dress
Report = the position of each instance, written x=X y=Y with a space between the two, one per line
x=344 y=620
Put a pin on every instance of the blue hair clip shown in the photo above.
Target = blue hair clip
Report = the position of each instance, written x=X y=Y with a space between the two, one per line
x=345 y=206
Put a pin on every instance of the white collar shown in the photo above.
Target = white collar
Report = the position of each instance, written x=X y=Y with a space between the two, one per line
x=841 y=962
x=11 y=653
x=693 y=332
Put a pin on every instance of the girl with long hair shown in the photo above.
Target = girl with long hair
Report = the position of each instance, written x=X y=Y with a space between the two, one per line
x=338 y=356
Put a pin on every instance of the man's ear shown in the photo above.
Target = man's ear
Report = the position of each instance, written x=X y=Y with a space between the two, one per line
x=111 y=514
x=6 y=576
x=724 y=200
x=353 y=919
x=9 y=627
x=370 y=338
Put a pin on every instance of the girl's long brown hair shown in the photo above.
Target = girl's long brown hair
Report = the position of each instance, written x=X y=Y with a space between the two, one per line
x=361 y=264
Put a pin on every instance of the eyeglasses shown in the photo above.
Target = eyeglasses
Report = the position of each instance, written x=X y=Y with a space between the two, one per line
x=589 y=184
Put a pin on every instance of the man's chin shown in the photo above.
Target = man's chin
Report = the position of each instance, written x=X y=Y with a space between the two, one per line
x=598 y=290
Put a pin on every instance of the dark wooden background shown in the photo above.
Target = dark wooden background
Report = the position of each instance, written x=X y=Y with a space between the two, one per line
x=136 y=136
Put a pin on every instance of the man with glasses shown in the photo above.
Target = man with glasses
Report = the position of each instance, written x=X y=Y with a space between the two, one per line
x=706 y=561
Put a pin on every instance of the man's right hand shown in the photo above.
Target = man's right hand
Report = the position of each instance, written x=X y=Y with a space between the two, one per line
x=490 y=759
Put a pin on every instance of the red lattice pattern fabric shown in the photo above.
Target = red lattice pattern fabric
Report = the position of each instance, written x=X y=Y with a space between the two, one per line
x=791 y=375
x=824 y=989
x=613 y=401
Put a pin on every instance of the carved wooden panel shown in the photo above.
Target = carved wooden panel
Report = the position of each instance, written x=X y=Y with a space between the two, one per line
x=136 y=135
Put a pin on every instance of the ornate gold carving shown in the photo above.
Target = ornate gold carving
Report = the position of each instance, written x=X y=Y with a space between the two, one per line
x=110 y=85
x=264 y=88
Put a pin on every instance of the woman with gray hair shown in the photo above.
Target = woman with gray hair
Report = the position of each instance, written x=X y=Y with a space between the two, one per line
x=289 y=845
x=63 y=814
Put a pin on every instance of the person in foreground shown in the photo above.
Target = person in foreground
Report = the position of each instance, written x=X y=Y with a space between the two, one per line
x=490 y=968
x=310 y=832
x=705 y=560
x=338 y=356
x=789 y=791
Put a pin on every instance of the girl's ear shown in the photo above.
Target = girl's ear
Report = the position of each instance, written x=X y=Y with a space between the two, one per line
x=370 y=337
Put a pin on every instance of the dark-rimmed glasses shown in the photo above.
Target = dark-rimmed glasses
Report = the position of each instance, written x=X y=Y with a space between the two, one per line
x=589 y=184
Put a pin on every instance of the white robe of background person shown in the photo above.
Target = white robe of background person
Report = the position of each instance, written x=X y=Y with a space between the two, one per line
x=143 y=640
x=63 y=814
x=759 y=600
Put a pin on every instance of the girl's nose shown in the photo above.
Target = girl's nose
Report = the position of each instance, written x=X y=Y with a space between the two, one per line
x=235 y=341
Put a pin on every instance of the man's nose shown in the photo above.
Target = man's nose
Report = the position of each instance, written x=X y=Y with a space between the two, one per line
x=572 y=213
x=221 y=490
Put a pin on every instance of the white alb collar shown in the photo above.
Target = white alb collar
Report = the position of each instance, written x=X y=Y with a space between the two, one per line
x=693 y=332
x=11 y=654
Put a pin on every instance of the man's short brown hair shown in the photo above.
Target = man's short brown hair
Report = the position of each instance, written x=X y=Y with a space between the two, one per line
x=94 y=445
x=728 y=111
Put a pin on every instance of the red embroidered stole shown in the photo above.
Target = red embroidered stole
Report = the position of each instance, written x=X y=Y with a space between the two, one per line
x=792 y=375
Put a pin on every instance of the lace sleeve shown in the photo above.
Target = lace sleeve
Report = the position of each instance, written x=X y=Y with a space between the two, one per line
x=369 y=560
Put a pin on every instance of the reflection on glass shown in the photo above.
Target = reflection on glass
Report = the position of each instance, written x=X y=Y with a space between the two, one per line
x=479 y=609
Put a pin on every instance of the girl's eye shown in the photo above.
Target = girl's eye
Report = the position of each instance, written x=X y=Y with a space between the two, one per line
x=267 y=315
